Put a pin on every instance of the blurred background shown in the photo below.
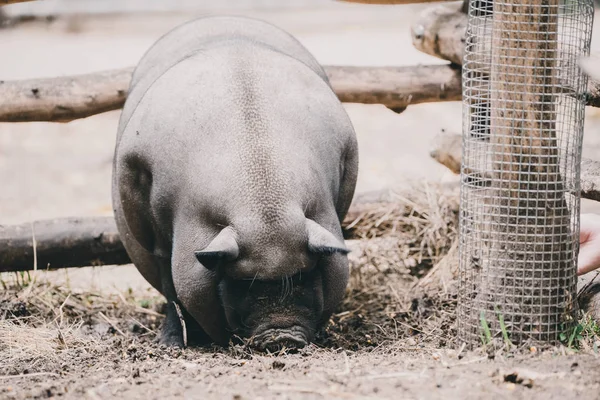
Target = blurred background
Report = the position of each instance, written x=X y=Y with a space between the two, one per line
x=50 y=170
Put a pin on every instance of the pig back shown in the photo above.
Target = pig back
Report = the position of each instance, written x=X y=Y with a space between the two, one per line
x=201 y=34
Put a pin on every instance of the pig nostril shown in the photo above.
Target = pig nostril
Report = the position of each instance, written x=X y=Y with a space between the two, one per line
x=277 y=340
x=287 y=344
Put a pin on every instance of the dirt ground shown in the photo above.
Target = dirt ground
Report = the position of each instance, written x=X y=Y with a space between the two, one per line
x=121 y=369
x=87 y=333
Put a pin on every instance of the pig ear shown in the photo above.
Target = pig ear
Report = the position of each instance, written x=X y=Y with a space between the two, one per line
x=224 y=247
x=321 y=241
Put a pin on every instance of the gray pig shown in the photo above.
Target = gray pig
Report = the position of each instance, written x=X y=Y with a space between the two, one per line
x=235 y=164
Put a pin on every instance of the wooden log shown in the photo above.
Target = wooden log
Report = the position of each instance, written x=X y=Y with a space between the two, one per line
x=390 y=2
x=447 y=150
x=437 y=23
x=7 y=2
x=591 y=66
x=590 y=179
x=61 y=243
x=94 y=241
x=396 y=87
x=64 y=99
x=440 y=31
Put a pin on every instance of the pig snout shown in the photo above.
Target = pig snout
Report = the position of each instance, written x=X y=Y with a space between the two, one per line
x=277 y=339
x=274 y=314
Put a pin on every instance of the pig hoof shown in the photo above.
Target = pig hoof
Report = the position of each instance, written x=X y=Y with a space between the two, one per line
x=171 y=333
x=171 y=339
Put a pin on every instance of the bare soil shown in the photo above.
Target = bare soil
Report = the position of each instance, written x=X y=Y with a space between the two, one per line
x=360 y=354
x=137 y=370
x=89 y=332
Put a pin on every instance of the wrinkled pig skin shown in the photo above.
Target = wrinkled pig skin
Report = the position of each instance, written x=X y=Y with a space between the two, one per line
x=234 y=166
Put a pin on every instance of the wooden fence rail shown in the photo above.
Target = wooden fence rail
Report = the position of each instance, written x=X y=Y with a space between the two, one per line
x=7 y=2
x=67 y=98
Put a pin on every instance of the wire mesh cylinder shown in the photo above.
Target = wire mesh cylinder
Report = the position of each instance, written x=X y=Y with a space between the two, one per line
x=524 y=101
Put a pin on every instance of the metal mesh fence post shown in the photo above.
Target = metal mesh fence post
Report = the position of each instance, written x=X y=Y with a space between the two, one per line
x=523 y=110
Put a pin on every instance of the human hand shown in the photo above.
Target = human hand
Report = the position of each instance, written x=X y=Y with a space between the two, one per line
x=589 y=239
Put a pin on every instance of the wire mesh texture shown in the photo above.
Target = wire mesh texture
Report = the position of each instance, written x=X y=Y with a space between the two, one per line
x=523 y=116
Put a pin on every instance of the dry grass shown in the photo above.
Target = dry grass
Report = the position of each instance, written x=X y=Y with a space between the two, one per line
x=422 y=222
x=42 y=324
x=28 y=350
x=38 y=302
x=397 y=243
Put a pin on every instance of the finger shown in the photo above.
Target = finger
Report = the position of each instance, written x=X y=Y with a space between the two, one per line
x=585 y=229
